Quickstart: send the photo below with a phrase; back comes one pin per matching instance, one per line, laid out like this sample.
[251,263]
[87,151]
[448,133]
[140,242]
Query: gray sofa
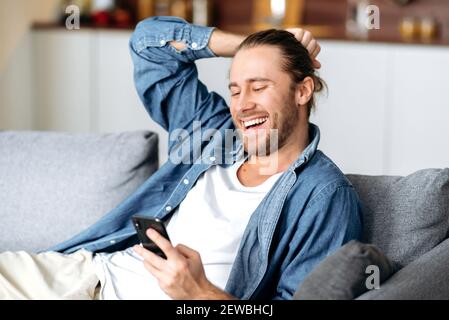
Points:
[405,235]
[407,219]
[53,185]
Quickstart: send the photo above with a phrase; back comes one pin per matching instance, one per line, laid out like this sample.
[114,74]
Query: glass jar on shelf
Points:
[409,28]
[428,28]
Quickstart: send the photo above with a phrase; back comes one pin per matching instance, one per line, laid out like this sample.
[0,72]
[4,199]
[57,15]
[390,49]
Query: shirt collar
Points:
[309,151]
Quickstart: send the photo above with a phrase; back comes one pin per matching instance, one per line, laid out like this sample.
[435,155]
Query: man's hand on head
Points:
[181,276]
[309,42]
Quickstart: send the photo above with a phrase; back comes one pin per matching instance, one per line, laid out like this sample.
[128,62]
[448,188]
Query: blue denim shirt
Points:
[311,211]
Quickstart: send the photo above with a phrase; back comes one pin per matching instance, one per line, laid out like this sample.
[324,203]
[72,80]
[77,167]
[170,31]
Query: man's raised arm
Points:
[164,50]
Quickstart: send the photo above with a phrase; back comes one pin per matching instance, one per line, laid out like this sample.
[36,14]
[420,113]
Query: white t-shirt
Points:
[210,220]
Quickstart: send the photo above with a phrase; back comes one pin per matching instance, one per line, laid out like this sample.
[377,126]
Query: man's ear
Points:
[304,91]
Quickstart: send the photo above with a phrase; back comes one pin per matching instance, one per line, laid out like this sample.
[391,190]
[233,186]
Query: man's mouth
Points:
[254,124]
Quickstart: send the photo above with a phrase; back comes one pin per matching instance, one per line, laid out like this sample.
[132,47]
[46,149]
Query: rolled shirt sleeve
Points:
[166,79]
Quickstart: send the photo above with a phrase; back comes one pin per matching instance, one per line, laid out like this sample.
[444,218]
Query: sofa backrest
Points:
[54,185]
[405,216]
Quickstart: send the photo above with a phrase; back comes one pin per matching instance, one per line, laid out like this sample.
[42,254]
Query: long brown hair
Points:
[296,59]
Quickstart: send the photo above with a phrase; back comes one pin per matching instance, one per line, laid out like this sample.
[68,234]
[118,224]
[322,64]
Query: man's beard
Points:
[277,136]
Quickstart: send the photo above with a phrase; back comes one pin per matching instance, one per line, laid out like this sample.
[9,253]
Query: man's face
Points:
[262,99]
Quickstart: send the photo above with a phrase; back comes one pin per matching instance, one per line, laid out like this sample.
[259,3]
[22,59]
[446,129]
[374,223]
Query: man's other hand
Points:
[309,42]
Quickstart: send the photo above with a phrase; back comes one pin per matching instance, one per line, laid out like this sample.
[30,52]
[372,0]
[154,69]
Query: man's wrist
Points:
[224,44]
[211,292]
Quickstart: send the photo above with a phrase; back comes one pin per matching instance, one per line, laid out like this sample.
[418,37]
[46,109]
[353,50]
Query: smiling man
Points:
[242,232]
[237,230]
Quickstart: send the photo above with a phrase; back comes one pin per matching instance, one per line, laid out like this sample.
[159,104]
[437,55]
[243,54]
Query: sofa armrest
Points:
[426,278]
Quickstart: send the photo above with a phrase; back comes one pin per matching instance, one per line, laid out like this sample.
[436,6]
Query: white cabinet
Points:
[63,80]
[17,89]
[351,114]
[418,122]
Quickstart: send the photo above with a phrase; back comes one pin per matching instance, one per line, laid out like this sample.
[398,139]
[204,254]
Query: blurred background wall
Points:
[16,19]
[16,71]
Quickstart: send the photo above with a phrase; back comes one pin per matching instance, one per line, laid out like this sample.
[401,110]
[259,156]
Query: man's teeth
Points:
[254,122]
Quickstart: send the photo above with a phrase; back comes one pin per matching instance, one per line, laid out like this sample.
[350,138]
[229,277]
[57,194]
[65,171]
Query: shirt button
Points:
[163,42]
[212,159]
[186,181]
[167,208]
[194,45]
[112,242]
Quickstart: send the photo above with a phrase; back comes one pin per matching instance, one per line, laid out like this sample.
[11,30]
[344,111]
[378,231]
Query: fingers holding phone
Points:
[142,225]
[179,270]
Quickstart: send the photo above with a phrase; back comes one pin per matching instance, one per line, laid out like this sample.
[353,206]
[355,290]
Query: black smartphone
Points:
[142,224]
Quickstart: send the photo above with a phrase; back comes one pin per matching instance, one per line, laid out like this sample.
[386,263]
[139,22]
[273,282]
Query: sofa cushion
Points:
[405,216]
[426,278]
[343,275]
[54,185]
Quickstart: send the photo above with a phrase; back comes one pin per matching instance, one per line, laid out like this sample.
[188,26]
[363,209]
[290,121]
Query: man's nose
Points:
[245,103]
